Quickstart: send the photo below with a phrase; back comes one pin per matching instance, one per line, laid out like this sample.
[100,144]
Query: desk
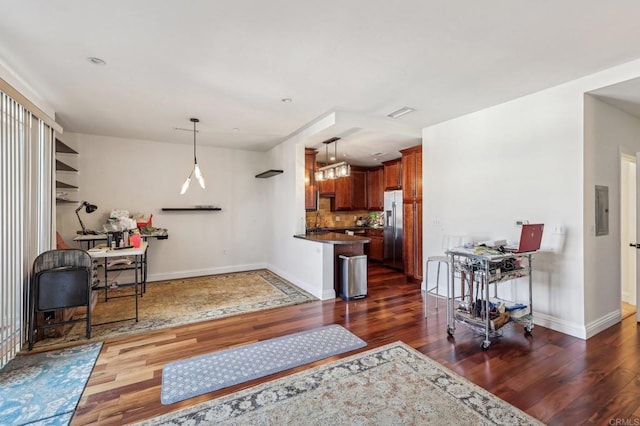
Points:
[138,254]
[92,239]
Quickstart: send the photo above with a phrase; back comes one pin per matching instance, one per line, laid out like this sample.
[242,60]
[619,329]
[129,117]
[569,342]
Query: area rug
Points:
[184,301]
[45,388]
[206,373]
[392,384]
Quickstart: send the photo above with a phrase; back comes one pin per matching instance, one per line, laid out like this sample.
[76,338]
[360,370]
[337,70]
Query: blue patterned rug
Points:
[195,376]
[45,388]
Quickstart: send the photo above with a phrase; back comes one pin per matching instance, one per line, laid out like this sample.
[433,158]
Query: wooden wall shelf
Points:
[192,209]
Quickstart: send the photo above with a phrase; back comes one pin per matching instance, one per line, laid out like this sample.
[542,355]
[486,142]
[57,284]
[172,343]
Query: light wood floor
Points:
[556,378]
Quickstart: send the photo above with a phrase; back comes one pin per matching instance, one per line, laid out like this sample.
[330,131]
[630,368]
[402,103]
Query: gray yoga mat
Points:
[205,373]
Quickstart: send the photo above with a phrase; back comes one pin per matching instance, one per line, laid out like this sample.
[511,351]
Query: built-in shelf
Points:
[65,201]
[64,148]
[65,185]
[60,166]
[268,173]
[184,209]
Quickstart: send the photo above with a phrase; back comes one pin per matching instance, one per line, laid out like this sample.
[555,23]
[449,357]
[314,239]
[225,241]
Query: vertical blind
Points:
[26,214]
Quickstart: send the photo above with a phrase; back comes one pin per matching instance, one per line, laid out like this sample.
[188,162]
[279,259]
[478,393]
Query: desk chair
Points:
[448,242]
[61,279]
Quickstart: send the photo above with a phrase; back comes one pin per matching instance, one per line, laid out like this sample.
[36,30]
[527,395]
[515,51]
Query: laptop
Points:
[530,239]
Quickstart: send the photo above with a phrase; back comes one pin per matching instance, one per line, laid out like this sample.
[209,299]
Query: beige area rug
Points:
[389,385]
[184,301]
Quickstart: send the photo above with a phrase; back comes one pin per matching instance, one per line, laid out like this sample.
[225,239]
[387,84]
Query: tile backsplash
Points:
[325,218]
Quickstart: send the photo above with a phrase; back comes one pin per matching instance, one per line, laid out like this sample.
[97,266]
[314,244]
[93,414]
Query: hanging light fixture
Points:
[335,170]
[196,168]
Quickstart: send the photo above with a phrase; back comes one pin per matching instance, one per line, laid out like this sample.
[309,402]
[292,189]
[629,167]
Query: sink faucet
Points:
[317,225]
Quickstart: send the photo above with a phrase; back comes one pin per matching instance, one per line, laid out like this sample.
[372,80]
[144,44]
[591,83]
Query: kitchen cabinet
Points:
[392,174]
[310,187]
[412,173]
[412,240]
[375,249]
[358,189]
[375,191]
[412,211]
[351,191]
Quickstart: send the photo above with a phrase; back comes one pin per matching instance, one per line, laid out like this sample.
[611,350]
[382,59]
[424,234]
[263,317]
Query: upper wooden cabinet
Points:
[392,174]
[359,189]
[310,188]
[351,192]
[412,173]
[375,189]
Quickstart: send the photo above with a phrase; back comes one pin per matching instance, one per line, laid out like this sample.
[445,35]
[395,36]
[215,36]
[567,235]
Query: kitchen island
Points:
[333,245]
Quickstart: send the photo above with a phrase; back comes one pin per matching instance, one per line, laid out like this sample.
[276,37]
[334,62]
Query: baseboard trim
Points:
[326,295]
[602,323]
[208,271]
[562,326]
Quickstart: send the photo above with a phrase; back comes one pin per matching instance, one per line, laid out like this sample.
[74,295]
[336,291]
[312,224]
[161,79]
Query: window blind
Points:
[26,213]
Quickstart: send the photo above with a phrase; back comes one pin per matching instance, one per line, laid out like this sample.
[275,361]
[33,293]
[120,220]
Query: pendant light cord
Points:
[194,120]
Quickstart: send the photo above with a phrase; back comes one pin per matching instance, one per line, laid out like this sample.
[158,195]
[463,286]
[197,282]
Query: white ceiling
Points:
[229,63]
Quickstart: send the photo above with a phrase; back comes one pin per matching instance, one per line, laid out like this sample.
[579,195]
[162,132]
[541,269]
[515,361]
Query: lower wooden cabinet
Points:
[375,248]
[412,239]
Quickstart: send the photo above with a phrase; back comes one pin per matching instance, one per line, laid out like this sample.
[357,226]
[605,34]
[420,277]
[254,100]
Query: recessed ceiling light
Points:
[399,113]
[235,129]
[96,61]
[287,100]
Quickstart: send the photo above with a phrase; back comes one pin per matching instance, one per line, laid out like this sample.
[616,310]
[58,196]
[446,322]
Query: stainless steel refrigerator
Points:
[393,229]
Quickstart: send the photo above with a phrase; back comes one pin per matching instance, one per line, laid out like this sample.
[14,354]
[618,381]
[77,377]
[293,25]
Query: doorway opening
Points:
[628,234]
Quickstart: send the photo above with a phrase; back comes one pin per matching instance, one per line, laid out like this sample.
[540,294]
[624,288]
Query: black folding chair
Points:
[61,279]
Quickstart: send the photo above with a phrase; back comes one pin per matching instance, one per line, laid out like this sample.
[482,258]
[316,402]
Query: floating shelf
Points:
[268,173]
[186,209]
[65,185]
[62,147]
[60,166]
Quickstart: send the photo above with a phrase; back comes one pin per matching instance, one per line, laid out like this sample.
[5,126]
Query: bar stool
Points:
[448,242]
[440,260]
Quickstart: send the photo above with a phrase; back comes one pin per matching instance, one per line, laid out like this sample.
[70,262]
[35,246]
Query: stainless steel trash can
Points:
[353,276]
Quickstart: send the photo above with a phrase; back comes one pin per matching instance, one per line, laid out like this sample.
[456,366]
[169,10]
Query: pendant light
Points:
[321,174]
[335,170]
[196,168]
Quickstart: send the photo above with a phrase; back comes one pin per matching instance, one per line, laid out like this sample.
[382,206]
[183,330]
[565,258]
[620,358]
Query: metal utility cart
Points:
[479,269]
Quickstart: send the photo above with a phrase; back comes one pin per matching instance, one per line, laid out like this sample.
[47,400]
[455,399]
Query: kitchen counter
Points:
[334,238]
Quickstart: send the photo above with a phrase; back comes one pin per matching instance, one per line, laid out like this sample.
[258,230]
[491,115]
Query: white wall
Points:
[305,263]
[609,132]
[144,176]
[526,160]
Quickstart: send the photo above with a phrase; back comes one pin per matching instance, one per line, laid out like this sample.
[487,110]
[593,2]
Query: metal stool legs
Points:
[440,260]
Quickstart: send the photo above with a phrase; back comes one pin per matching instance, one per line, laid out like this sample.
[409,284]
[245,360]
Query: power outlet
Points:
[337,218]
[435,222]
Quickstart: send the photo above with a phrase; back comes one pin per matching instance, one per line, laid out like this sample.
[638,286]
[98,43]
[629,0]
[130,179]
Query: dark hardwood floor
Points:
[558,379]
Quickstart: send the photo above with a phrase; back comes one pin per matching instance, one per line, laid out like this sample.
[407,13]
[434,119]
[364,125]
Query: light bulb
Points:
[196,171]
[331,173]
[185,185]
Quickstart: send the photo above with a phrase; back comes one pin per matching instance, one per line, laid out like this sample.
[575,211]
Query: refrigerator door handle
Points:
[395,228]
